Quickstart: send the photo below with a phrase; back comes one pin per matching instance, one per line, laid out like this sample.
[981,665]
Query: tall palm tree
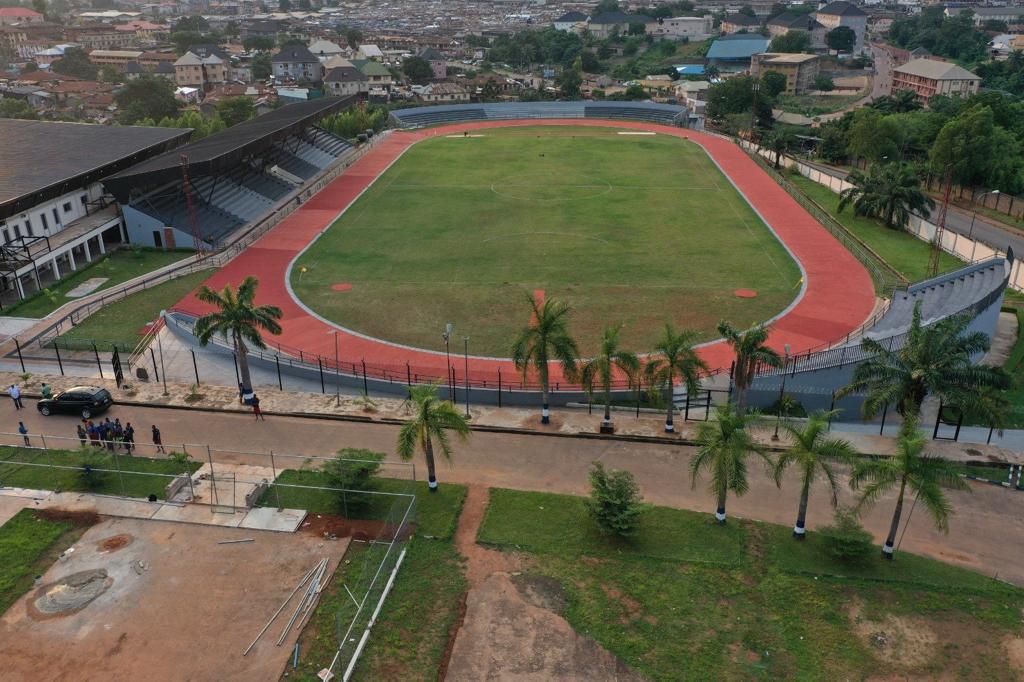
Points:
[725,443]
[887,191]
[899,102]
[675,358]
[239,319]
[926,476]
[751,352]
[546,338]
[433,419]
[813,453]
[600,371]
[779,141]
[935,359]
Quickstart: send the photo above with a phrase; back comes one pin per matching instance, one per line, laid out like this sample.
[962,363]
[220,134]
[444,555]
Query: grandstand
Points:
[666,114]
[235,177]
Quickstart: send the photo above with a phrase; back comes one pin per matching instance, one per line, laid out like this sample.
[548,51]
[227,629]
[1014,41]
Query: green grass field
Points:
[631,229]
[116,267]
[29,543]
[121,323]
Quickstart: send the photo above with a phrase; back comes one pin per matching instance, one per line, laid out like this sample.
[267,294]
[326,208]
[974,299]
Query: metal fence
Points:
[232,482]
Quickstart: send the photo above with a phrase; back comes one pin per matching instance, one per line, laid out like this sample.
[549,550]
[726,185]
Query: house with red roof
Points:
[19,15]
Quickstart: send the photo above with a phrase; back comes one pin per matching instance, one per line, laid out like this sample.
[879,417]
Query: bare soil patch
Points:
[1015,653]
[115,542]
[899,640]
[331,526]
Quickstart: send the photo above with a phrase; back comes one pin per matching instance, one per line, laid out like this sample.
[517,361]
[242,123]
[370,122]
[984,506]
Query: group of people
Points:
[107,434]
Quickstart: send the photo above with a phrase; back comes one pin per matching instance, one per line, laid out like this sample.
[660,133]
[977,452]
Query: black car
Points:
[87,401]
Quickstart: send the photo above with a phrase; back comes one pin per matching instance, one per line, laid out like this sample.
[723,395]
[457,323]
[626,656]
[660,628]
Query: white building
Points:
[678,28]
[840,13]
[55,216]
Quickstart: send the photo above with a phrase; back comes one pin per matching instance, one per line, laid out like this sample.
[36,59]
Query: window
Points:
[7,236]
[17,232]
[67,207]
[56,217]
[85,200]
[42,217]
[158,241]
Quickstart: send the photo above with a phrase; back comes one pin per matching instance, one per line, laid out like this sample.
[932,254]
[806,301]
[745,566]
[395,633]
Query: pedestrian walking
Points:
[47,391]
[23,430]
[15,393]
[94,435]
[129,437]
[255,402]
[82,435]
[157,441]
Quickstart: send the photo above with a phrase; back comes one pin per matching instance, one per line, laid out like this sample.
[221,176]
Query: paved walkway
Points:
[837,297]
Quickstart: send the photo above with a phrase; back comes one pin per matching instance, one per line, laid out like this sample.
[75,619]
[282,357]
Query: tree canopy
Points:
[417,69]
[146,97]
[791,41]
[75,62]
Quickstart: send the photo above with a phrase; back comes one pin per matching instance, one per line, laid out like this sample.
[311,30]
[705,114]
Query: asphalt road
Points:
[987,532]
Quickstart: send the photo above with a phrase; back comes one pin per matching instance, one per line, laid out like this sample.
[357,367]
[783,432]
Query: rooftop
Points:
[742,20]
[620,18]
[787,58]
[344,74]
[738,46]
[570,17]
[930,68]
[842,9]
[44,159]
[295,53]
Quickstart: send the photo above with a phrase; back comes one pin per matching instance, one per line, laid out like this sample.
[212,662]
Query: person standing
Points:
[157,441]
[47,391]
[82,435]
[129,437]
[15,393]
[23,430]
[255,402]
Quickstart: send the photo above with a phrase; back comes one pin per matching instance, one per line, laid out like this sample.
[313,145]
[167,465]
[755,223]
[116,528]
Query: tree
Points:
[259,43]
[751,352]
[184,39]
[600,371]
[966,148]
[747,11]
[284,6]
[238,318]
[779,141]
[234,110]
[109,74]
[890,192]
[193,22]
[546,339]
[433,419]
[791,41]
[30,67]
[841,39]
[75,62]
[736,96]
[872,136]
[935,360]
[417,69]
[824,83]
[615,501]
[16,108]
[813,453]
[261,66]
[39,6]
[569,82]
[773,83]
[724,444]
[675,357]
[146,97]
[899,102]
[846,540]
[926,476]
[353,470]
[353,36]
[833,144]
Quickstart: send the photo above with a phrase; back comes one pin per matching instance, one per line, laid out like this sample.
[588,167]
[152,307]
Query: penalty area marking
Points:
[631,132]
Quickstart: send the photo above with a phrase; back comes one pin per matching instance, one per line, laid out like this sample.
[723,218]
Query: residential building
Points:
[787,21]
[151,60]
[116,58]
[930,77]
[145,31]
[841,13]
[325,50]
[693,95]
[201,72]
[346,80]
[99,37]
[799,69]
[732,53]
[571,21]
[683,28]
[443,92]
[298,63]
[438,64]
[734,23]
[378,75]
[1013,16]
[607,24]
[19,15]
[369,51]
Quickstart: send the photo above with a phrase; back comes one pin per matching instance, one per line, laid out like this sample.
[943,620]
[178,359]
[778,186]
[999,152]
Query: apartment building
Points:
[930,77]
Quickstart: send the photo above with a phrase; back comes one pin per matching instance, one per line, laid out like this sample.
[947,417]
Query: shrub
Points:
[343,472]
[846,539]
[615,501]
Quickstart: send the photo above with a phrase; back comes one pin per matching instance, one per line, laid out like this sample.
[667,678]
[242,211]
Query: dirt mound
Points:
[71,593]
[327,525]
[907,642]
[79,519]
[115,542]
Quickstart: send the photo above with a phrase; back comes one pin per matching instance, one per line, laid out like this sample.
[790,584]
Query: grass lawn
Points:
[29,543]
[815,105]
[121,323]
[409,639]
[632,229]
[116,267]
[902,250]
[135,480]
[775,611]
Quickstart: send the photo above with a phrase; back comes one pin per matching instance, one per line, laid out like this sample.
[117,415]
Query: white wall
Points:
[49,218]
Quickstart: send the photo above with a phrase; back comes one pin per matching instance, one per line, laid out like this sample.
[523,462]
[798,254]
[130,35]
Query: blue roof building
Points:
[690,69]
[733,52]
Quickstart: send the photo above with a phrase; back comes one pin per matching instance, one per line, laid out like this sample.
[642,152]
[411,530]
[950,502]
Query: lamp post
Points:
[782,395]
[160,345]
[465,341]
[447,335]
[974,214]
[337,372]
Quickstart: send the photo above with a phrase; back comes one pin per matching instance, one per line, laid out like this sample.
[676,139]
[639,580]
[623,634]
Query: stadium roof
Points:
[223,150]
[737,46]
[41,160]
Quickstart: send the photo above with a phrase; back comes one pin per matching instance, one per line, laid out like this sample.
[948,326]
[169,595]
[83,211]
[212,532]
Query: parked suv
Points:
[87,401]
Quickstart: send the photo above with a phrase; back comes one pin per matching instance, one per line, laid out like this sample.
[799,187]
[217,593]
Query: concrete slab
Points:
[199,514]
[10,505]
[268,518]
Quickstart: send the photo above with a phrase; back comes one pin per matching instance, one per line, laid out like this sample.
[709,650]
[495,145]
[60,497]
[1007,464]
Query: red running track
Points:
[838,294]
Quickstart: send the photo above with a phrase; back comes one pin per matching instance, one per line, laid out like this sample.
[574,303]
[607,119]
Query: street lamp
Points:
[447,335]
[465,341]
[337,372]
[782,395]
[974,215]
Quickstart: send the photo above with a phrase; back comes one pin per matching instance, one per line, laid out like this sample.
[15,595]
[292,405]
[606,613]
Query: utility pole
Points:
[940,227]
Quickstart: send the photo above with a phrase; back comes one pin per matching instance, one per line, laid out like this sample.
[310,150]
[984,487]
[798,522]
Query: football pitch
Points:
[628,228]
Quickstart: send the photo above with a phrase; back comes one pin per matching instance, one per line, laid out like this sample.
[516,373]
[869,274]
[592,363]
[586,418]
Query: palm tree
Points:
[601,370]
[933,360]
[779,141]
[910,467]
[675,357]
[725,443]
[546,338]
[239,319]
[433,419]
[887,191]
[751,352]
[900,102]
[813,453]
